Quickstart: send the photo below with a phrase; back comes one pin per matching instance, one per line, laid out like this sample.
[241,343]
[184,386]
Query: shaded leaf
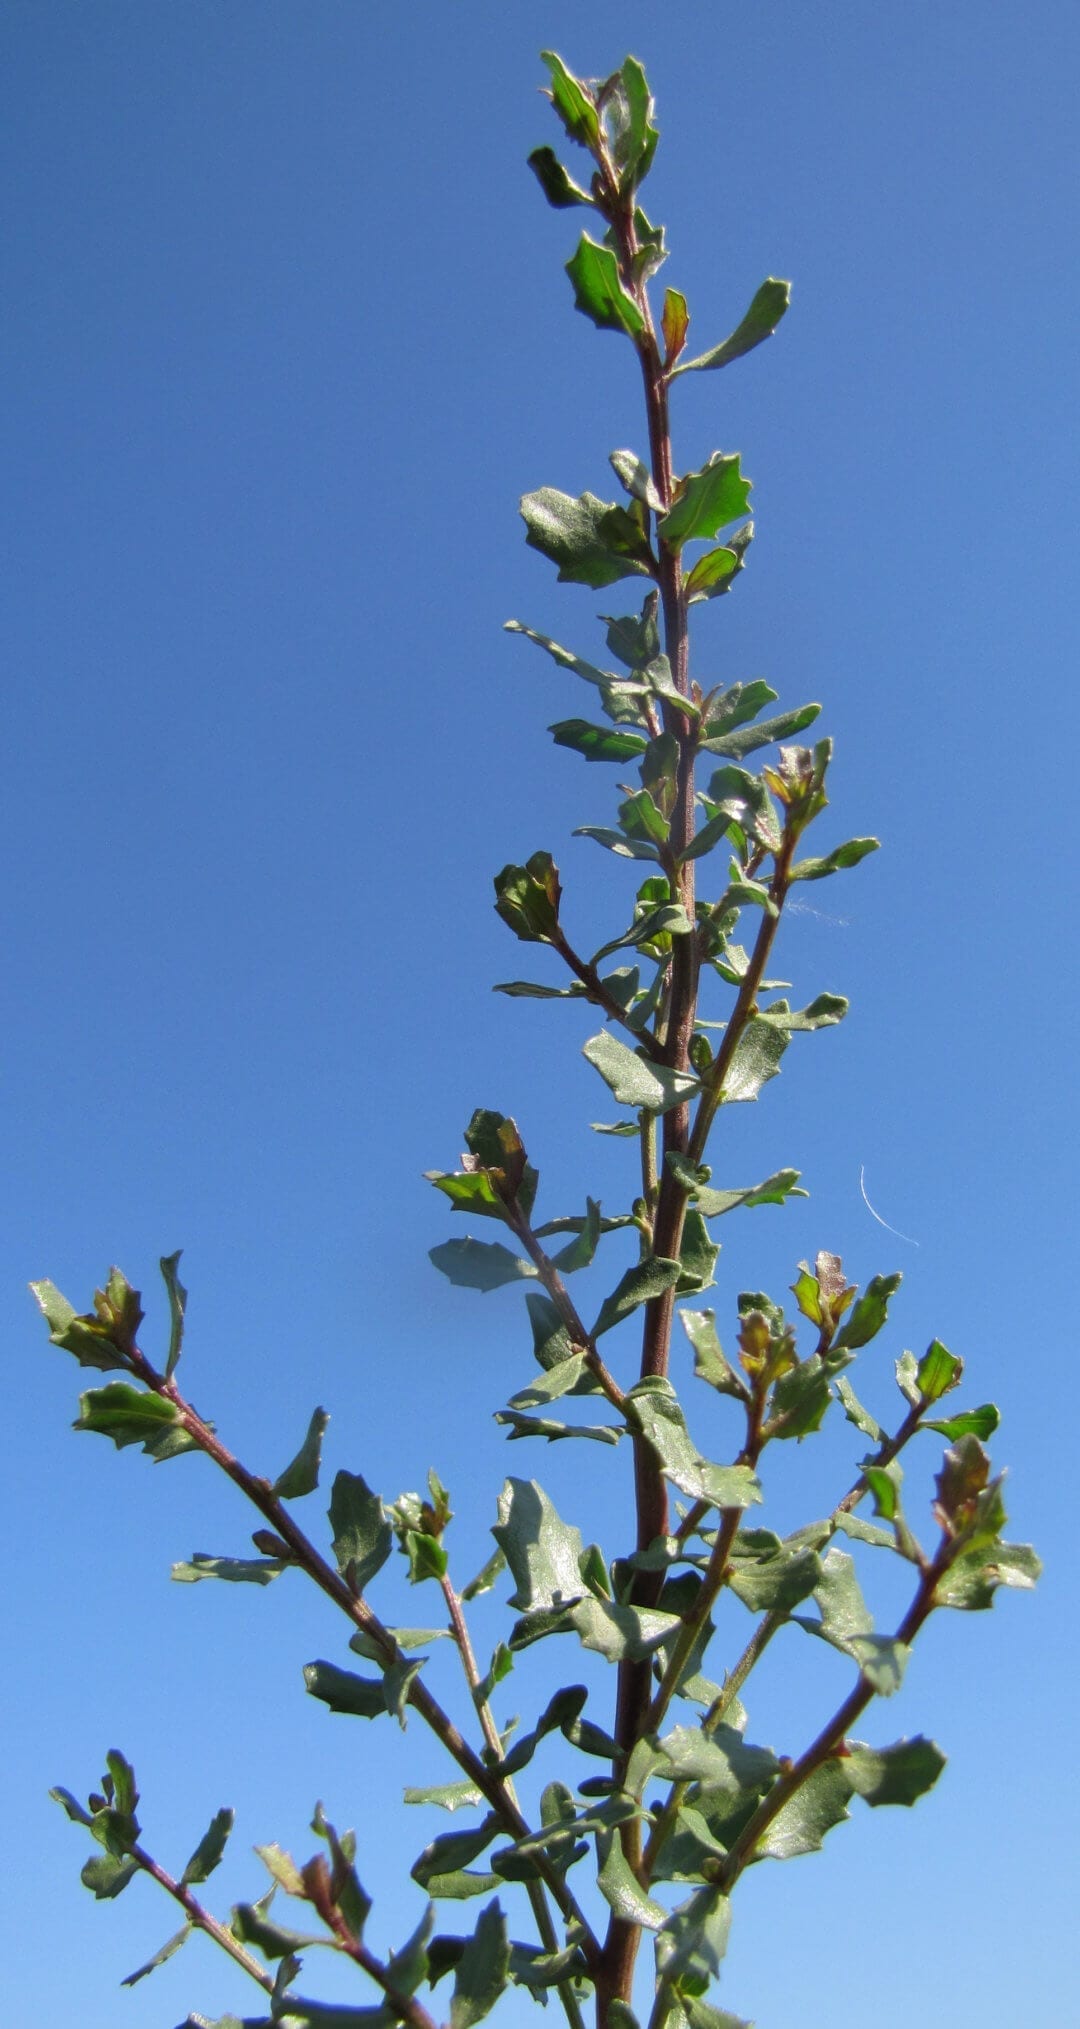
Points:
[746,740]
[483,1970]
[710,1363]
[639,1285]
[593,542]
[768,1575]
[621,1633]
[167,1951]
[800,1826]
[452,1851]
[674,324]
[900,1774]
[107,1875]
[541,1549]
[556,183]
[869,1314]
[596,743]
[656,1410]
[344,1691]
[842,856]
[130,1415]
[363,1538]
[301,1475]
[620,1887]
[480,1264]
[209,1850]
[178,1297]
[693,1940]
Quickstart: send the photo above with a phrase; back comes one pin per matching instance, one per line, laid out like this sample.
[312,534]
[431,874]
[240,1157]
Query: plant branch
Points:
[564,1304]
[597,991]
[201,1918]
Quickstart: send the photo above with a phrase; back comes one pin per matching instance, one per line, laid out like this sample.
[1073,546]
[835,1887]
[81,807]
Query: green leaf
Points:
[134,1416]
[693,1940]
[639,1285]
[800,1399]
[939,1371]
[628,111]
[527,899]
[710,1363]
[756,1059]
[775,1190]
[620,1887]
[541,1549]
[702,2015]
[522,1425]
[722,1761]
[83,1336]
[485,1578]
[633,639]
[848,855]
[480,1264]
[855,1412]
[483,1971]
[452,1851]
[107,1875]
[596,743]
[769,305]
[632,472]
[981,1423]
[973,1578]
[209,1850]
[449,1796]
[556,183]
[565,657]
[570,97]
[559,1380]
[698,1255]
[737,744]
[800,1826]
[344,1691]
[823,1013]
[427,1558]
[869,1314]
[617,842]
[900,1774]
[712,574]
[171,1946]
[579,1252]
[363,1538]
[233,1570]
[655,1409]
[621,1633]
[674,324]
[593,542]
[177,1296]
[301,1475]
[769,1576]
[647,1087]
[706,502]
[598,291]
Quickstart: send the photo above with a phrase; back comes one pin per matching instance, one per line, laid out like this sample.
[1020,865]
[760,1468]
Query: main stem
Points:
[675,1035]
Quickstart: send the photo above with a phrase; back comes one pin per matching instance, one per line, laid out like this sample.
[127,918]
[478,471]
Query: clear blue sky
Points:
[287,335]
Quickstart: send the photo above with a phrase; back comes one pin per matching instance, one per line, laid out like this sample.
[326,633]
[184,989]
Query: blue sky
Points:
[288,334]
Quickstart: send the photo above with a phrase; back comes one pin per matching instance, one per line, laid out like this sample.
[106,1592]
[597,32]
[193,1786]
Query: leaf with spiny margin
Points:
[775,1190]
[693,1940]
[301,1475]
[344,1691]
[480,1264]
[483,1971]
[707,501]
[973,1578]
[847,855]
[823,1013]
[593,542]
[598,290]
[800,1400]
[570,97]
[556,182]
[769,305]
[710,1363]
[801,1824]
[178,1297]
[363,1538]
[870,1313]
[768,1575]
[745,740]
[621,1633]
[866,1532]
[756,1059]
[655,1409]
[899,1774]
[647,1087]
[639,1285]
[620,1887]
[130,1415]
[597,743]
[541,1549]
[209,1850]
[939,1371]
[171,1946]
[82,1336]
